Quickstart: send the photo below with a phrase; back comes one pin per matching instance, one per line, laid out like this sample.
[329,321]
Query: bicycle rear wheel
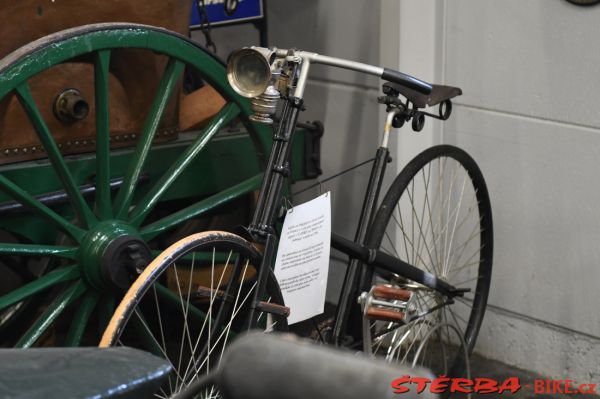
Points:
[190,303]
[437,217]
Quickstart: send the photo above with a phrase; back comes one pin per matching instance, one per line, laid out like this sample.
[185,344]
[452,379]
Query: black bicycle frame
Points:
[262,227]
[269,204]
[362,257]
[351,278]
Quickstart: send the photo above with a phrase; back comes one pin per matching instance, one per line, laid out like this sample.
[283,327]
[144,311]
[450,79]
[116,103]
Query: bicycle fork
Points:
[269,205]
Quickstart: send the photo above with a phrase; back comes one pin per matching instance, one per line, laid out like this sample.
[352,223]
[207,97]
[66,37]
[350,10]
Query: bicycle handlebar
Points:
[259,366]
[403,79]
[387,74]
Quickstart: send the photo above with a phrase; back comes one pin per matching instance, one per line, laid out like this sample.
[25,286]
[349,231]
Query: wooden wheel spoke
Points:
[101,75]
[71,200]
[37,286]
[152,230]
[175,301]
[226,115]
[171,75]
[80,320]
[38,250]
[106,308]
[19,195]
[51,313]
[84,213]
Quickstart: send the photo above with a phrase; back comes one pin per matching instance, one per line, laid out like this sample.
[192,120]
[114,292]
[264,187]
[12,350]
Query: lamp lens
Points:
[251,74]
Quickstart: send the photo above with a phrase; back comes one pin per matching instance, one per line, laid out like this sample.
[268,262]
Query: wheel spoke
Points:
[447,323]
[416,256]
[418,220]
[189,294]
[101,76]
[209,317]
[152,342]
[430,213]
[192,319]
[80,320]
[421,218]
[226,329]
[168,82]
[38,285]
[168,295]
[146,204]
[37,250]
[456,317]
[111,189]
[460,249]
[462,283]
[185,333]
[30,202]
[82,209]
[415,338]
[159,318]
[440,216]
[152,230]
[54,310]
[448,219]
[106,308]
[400,225]
[445,264]
[237,297]
[466,265]
[442,233]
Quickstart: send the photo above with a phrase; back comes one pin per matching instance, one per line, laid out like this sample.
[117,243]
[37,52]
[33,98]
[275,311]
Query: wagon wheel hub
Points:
[124,259]
[92,243]
[112,255]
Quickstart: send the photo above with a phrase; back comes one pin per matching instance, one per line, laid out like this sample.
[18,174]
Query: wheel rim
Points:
[205,320]
[441,223]
[93,227]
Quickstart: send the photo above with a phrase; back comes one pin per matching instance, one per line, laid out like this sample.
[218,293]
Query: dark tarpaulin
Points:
[48,373]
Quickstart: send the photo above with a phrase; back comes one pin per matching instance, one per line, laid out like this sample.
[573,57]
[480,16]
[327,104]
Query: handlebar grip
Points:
[403,79]
[259,366]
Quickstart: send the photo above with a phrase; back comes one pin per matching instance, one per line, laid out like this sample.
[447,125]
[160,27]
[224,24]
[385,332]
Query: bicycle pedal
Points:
[273,308]
[205,292]
[391,293]
[377,313]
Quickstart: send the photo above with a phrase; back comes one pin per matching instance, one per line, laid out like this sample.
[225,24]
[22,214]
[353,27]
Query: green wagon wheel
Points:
[106,239]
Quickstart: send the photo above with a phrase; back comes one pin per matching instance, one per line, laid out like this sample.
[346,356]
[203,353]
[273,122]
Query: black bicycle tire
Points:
[209,239]
[385,210]
[178,250]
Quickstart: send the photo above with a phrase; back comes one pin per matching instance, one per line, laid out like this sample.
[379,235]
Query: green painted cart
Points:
[75,229]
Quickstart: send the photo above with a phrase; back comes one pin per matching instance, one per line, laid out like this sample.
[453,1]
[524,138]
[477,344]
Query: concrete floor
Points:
[482,367]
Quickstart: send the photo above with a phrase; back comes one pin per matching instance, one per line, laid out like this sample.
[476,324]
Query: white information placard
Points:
[302,262]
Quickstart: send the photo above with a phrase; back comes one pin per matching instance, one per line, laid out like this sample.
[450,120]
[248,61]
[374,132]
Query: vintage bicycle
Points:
[417,283]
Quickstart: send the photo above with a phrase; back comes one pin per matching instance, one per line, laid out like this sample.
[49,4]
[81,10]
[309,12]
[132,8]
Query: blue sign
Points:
[225,12]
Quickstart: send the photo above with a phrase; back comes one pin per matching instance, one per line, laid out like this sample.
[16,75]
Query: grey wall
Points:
[344,101]
[530,117]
